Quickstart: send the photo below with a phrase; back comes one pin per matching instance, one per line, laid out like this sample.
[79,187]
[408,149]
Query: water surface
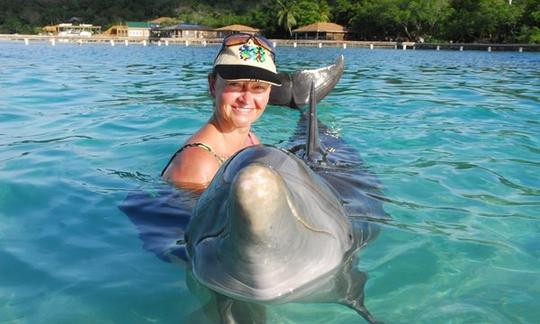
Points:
[453,136]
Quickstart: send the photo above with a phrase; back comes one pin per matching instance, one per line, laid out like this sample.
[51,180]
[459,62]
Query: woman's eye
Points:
[260,88]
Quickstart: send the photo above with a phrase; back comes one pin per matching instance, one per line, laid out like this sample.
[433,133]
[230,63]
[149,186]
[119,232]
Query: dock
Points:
[125,41]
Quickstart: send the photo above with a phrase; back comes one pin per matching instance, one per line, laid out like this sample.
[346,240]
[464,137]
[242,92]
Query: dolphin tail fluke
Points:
[294,90]
[283,95]
[314,149]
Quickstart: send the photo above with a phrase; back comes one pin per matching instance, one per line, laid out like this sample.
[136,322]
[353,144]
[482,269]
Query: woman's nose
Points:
[246,95]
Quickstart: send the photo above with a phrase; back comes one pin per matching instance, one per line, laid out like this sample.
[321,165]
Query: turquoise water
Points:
[453,136]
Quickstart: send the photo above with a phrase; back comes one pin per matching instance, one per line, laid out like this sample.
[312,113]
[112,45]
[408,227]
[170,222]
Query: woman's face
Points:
[238,103]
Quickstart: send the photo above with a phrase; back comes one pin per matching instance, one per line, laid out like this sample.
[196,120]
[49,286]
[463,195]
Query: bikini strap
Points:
[206,147]
[201,145]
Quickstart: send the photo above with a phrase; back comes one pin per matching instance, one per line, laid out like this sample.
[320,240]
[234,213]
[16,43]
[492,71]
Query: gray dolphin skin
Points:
[276,226]
[295,87]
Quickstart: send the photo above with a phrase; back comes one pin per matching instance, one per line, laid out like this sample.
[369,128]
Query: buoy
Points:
[461,48]
[344,45]
[166,43]
[112,42]
[26,42]
[144,42]
[489,48]
[126,42]
[521,49]
[159,43]
[53,41]
[438,48]
[320,45]
[370,46]
[204,43]
[294,44]
[187,43]
[404,47]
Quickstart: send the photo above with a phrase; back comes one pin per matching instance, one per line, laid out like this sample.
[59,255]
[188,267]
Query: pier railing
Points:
[119,40]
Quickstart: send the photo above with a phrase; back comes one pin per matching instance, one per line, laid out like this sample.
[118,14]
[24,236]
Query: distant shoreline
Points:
[114,40]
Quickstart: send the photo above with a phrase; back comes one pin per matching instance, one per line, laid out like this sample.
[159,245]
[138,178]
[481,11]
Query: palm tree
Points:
[286,15]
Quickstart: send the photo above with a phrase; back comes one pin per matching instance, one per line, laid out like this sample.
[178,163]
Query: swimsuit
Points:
[207,147]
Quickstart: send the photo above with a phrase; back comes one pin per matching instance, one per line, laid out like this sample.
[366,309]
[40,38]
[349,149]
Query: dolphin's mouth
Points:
[303,222]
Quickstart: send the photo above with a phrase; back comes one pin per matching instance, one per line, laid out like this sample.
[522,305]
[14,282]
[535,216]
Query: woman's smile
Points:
[243,110]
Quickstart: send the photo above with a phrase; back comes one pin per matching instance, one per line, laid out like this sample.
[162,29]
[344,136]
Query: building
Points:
[321,31]
[71,30]
[138,29]
[233,29]
[117,30]
[188,31]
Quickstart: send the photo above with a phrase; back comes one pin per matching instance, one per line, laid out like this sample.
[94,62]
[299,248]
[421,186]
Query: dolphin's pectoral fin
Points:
[362,310]
[354,282]
[161,219]
[235,311]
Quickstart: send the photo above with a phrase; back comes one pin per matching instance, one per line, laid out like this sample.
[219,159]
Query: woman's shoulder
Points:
[193,164]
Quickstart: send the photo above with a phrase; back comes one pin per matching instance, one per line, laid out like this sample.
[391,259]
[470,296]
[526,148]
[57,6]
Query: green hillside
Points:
[501,21]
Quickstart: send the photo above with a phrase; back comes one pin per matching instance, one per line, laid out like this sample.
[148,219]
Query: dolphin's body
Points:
[278,226]
[274,226]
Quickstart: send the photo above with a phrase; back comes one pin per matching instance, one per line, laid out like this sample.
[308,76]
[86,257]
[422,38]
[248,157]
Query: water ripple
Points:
[453,136]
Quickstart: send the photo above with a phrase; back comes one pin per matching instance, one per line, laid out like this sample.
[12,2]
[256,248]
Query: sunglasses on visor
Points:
[242,38]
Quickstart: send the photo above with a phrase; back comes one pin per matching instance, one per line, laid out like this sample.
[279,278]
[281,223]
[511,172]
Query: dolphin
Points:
[276,225]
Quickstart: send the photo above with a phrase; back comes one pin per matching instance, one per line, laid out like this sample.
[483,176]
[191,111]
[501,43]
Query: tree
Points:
[484,21]
[287,13]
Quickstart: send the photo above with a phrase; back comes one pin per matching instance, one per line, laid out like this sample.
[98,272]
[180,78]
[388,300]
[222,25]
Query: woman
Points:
[243,73]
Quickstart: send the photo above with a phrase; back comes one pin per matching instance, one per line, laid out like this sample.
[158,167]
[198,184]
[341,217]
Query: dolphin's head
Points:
[266,226]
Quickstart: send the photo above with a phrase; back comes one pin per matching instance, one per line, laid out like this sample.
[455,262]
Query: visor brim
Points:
[247,73]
